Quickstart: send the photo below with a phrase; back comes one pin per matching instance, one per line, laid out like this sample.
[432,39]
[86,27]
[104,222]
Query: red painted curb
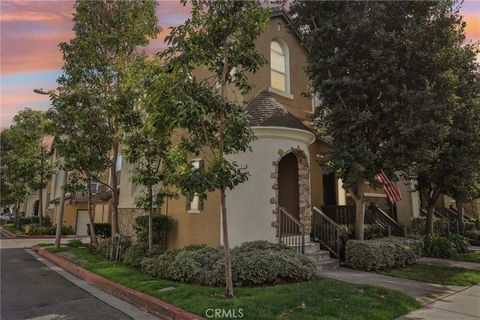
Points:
[139,299]
[8,233]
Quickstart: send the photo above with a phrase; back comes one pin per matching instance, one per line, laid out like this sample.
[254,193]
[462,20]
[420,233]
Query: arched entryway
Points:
[292,185]
[288,196]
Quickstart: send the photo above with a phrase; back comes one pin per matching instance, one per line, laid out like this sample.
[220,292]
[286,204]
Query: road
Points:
[32,290]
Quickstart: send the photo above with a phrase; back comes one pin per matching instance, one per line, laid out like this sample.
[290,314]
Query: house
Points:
[282,166]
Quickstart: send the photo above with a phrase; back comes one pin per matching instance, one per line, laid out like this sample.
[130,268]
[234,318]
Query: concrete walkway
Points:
[463,305]
[449,263]
[423,292]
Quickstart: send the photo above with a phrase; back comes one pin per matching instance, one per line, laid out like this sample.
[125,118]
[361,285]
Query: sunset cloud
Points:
[32,29]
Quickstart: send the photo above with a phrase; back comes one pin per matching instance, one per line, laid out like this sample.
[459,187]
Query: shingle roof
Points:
[266,111]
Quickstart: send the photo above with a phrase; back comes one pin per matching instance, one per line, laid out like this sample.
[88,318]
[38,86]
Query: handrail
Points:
[388,222]
[326,231]
[289,229]
[388,217]
[291,217]
[325,216]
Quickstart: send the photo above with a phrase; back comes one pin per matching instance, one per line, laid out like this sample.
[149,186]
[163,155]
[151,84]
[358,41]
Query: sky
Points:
[30,31]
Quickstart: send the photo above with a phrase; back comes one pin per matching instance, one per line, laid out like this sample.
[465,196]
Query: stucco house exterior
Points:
[282,164]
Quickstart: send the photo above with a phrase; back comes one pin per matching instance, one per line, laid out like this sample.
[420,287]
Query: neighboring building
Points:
[282,165]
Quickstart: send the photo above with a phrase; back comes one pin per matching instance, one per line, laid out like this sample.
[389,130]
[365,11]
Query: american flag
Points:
[389,187]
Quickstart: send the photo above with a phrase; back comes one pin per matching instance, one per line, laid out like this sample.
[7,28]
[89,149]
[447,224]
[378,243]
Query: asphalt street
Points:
[31,290]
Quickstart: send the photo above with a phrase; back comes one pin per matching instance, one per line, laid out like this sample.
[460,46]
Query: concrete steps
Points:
[322,258]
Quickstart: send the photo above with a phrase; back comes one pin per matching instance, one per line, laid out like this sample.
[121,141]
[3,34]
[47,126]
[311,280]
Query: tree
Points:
[356,66]
[441,130]
[98,60]
[219,37]
[27,135]
[78,143]
[147,145]
[13,173]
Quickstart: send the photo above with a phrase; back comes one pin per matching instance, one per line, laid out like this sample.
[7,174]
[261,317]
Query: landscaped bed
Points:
[437,274]
[316,299]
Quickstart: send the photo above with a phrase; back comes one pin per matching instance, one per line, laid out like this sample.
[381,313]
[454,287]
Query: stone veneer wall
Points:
[126,220]
[305,211]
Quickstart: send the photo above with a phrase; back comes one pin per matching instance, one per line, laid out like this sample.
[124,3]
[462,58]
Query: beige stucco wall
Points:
[250,211]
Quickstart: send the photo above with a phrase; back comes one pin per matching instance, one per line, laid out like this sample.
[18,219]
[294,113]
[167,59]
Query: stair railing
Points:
[326,232]
[385,221]
[291,231]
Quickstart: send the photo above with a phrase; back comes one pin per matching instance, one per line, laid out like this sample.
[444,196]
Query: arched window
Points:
[278,67]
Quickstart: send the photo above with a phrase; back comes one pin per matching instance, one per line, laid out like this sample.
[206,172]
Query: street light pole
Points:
[63,179]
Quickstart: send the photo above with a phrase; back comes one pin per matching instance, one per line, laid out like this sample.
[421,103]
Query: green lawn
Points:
[473,256]
[437,274]
[12,228]
[320,299]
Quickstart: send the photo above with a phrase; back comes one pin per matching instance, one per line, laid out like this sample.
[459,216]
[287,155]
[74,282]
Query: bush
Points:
[461,243]
[102,230]
[438,247]
[104,247]
[382,254]
[473,236]
[75,243]
[253,263]
[35,229]
[161,224]
[440,226]
[374,231]
[134,254]
[34,220]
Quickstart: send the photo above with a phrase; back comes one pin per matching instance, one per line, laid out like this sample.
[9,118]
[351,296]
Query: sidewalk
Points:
[449,263]
[463,305]
[423,292]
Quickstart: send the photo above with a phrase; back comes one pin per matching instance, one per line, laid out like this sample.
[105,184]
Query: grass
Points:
[437,274]
[319,299]
[473,256]
[12,229]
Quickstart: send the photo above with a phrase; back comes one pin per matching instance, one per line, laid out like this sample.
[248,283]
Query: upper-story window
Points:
[279,67]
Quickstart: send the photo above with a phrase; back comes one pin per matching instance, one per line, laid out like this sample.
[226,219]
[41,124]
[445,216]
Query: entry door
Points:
[82,221]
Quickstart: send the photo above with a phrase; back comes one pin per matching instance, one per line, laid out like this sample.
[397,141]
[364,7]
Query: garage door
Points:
[82,221]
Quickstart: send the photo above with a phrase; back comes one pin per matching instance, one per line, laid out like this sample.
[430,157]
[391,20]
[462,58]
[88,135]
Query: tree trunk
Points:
[150,218]
[226,247]
[17,215]
[113,172]
[39,211]
[358,198]
[58,233]
[91,217]
[40,197]
[432,199]
[460,214]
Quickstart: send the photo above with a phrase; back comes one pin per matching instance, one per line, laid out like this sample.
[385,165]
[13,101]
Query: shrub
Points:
[34,220]
[102,230]
[134,254]
[473,236]
[253,263]
[382,254]
[461,243]
[439,247]
[105,245]
[75,243]
[440,226]
[374,231]
[161,224]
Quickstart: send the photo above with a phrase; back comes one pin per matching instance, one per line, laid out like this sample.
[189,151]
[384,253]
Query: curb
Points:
[8,233]
[139,299]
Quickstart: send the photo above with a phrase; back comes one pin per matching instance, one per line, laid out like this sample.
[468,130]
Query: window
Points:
[196,205]
[278,67]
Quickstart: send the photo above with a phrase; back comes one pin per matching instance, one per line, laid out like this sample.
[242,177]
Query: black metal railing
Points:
[291,231]
[452,225]
[340,214]
[326,232]
[376,215]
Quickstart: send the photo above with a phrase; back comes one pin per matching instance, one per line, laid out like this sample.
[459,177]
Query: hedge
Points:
[161,224]
[35,229]
[253,263]
[134,254]
[382,254]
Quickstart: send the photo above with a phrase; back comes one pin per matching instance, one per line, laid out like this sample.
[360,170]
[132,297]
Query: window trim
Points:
[199,209]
